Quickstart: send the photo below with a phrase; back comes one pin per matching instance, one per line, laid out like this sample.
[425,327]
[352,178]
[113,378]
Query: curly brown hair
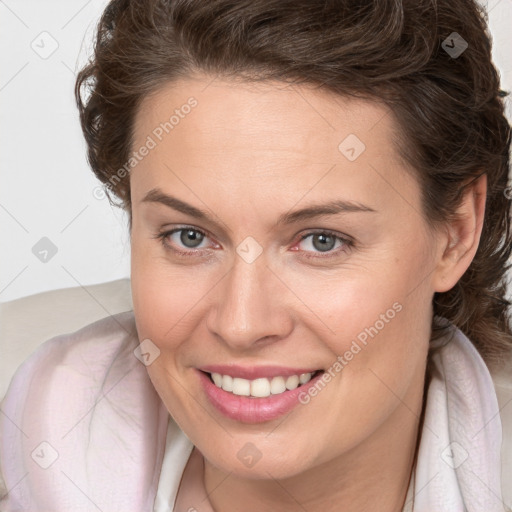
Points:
[449,108]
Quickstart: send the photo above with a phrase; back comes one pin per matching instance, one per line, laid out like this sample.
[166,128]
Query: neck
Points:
[374,475]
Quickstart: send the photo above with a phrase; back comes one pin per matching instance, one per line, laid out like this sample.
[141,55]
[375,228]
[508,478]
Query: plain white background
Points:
[47,191]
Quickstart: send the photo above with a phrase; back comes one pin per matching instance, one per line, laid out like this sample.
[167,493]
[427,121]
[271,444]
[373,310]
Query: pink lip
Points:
[255,372]
[253,410]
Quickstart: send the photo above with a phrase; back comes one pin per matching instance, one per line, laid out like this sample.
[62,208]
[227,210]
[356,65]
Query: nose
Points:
[251,307]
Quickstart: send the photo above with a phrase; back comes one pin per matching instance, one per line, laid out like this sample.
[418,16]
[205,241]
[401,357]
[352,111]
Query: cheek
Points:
[355,306]
[162,294]
[377,317]
[163,314]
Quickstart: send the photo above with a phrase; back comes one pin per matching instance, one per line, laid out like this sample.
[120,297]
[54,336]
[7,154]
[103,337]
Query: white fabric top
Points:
[82,428]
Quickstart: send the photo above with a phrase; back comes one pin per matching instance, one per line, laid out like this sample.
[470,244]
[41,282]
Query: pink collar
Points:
[82,425]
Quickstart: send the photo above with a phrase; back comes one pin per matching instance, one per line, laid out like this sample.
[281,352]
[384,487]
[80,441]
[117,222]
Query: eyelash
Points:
[347,243]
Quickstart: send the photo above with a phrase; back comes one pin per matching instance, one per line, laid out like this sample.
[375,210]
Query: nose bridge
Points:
[248,307]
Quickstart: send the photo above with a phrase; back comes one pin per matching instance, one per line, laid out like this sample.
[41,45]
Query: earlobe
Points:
[460,241]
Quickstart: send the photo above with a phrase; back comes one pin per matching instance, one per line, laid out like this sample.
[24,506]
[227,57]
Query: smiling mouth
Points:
[261,387]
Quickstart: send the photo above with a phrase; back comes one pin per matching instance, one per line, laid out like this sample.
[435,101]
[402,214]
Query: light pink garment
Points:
[82,429]
[89,400]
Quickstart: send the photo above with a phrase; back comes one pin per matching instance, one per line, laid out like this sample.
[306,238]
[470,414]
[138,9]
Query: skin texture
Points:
[247,154]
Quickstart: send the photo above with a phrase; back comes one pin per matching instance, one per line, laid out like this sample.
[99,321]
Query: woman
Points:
[319,222]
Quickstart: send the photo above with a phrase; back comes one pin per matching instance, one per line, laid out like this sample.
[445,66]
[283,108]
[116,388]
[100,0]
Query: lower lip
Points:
[253,410]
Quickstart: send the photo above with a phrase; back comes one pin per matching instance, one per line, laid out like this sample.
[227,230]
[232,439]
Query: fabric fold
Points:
[459,461]
[82,427]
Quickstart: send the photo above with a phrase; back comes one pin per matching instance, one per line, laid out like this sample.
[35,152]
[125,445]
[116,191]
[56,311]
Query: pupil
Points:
[190,235]
[323,246]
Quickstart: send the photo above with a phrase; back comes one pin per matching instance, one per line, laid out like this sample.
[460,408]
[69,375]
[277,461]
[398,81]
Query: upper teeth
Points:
[259,387]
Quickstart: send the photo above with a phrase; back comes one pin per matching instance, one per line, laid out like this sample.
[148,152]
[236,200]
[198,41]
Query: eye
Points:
[323,242]
[183,238]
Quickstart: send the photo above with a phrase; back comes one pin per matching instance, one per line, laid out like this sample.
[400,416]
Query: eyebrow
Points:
[316,210]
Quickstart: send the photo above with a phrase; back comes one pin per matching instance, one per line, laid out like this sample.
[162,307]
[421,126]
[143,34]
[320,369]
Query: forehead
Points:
[262,114]
[267,136]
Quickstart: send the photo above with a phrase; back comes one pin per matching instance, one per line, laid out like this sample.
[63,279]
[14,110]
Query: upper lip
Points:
[255,372]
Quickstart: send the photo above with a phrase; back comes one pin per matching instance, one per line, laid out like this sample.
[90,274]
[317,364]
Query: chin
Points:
[247,458]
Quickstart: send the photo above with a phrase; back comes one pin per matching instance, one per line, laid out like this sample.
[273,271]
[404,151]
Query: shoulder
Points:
[502,380]
[108,335]
[85,357]
[481,401]
[83,404]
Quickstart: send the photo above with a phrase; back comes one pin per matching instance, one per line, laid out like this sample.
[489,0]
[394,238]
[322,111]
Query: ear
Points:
[459,243]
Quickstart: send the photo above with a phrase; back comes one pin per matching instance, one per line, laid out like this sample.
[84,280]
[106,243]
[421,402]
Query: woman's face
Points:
[254,290]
